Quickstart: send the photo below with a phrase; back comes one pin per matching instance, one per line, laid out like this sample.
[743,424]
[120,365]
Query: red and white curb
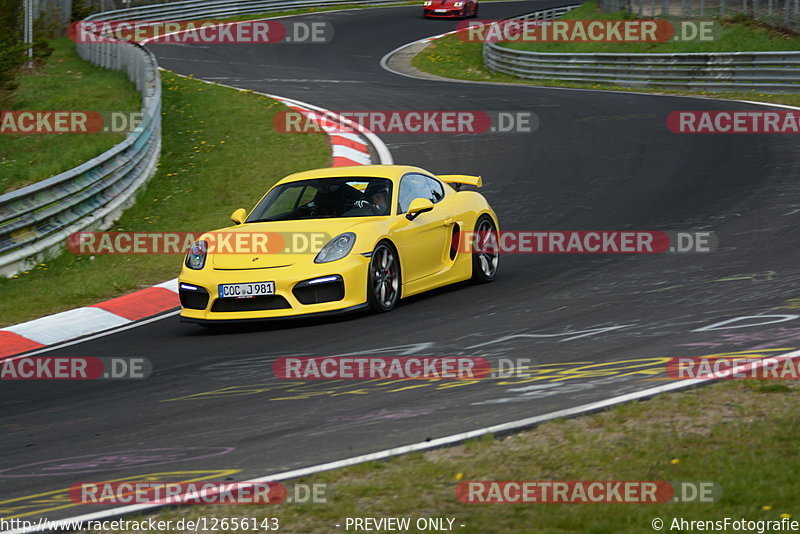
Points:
[347,147]
[434,37]
[80,322]
[350,145]
[349,140]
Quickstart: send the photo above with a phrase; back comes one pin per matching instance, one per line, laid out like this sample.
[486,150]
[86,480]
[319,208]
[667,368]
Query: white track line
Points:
[104,333]
[385,65]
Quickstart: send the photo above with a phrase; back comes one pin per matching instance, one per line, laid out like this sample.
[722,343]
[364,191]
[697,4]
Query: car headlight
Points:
[428,3]
[196,258]
[337,248]
[458,4]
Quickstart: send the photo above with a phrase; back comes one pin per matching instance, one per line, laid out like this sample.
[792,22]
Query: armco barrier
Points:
[36,220]
[195,9]
[770,72]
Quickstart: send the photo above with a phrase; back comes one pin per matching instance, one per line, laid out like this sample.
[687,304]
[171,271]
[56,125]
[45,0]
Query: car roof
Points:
[391,172]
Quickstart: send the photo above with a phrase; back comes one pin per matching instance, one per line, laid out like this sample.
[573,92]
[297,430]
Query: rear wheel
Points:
[383,280]
[486,259]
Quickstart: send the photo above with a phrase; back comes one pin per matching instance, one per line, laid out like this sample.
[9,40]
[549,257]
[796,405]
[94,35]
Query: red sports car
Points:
[450,8]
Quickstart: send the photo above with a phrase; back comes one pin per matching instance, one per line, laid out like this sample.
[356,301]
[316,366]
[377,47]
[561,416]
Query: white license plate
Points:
[440,10]
[254,289]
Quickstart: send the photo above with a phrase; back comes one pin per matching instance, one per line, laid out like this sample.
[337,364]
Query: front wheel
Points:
[486,258]
[383,280]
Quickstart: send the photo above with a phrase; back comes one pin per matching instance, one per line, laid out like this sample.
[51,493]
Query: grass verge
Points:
[64,83]
[451,57]
[738,434]
[220,152]
[733,34]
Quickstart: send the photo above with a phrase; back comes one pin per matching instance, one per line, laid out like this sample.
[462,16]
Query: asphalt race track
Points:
[593,326]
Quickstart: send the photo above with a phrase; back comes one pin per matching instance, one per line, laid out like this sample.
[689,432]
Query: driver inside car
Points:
[376,198]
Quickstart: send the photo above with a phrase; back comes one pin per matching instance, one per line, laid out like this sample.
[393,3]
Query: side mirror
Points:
[238,216]
[418,206]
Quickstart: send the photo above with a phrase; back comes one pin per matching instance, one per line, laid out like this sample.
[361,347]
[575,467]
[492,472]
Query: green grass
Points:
[64,83]
[451,57]
[732,434]
[735,34]
[220,152]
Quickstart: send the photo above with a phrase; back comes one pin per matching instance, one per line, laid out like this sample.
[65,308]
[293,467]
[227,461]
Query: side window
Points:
[413,186]
[436,189]
[285,202]
[307,195]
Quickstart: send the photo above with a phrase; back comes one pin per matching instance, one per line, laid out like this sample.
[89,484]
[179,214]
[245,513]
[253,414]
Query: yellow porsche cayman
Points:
[336,240]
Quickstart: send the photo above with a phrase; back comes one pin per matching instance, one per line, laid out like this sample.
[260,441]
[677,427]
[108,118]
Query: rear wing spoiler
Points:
[458,180]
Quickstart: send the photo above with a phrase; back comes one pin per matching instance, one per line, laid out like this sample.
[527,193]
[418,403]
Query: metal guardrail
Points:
[779,13]
[770,72]
[196,9]
[36,220]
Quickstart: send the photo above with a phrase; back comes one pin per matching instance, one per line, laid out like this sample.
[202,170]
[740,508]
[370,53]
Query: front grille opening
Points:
[194,300]
[309,293]
[264,302]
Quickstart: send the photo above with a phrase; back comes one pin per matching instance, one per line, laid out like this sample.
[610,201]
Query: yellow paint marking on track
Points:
[59,499]
[645,368]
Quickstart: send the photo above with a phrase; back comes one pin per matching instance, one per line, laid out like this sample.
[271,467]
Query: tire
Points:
[383,278]
[484,264]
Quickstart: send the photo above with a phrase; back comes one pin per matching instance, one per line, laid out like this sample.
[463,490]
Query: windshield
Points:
[325,198]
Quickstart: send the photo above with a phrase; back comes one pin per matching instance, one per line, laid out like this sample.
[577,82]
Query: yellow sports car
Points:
[337,240]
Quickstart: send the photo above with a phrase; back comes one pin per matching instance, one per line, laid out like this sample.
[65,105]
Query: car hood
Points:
[277,243]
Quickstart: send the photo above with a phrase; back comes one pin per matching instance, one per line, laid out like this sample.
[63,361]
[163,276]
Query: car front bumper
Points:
[293,296]
[448,14]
